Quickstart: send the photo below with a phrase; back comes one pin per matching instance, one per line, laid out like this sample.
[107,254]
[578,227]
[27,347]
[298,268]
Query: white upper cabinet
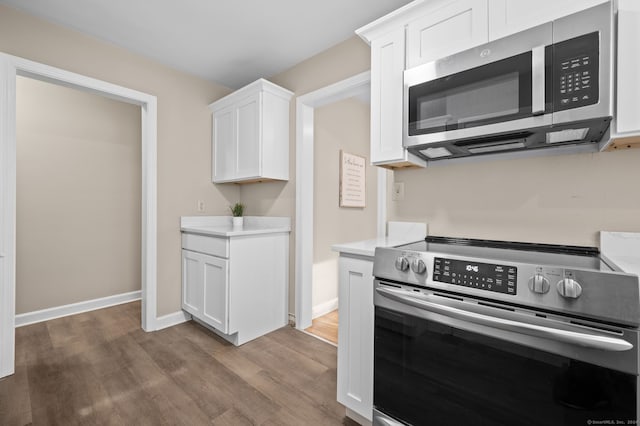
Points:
[224,153]
[510,16]
[418,32]
[627,120]
[453,27]
[249,137]
[251,134]
[387,67]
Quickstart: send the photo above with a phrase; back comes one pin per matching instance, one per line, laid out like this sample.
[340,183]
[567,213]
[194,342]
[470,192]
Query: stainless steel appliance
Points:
[549,86]
[498,333]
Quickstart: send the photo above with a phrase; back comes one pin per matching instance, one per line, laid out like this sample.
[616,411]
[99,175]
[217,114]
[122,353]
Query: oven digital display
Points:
[483,276]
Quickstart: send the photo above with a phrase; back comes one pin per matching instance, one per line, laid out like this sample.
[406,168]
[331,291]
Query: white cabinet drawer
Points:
[205,244]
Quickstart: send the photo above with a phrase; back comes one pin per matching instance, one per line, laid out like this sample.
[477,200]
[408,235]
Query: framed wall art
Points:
[352,180]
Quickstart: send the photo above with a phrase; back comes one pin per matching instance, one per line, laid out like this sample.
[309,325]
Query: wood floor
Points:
[101,368]
[326,327]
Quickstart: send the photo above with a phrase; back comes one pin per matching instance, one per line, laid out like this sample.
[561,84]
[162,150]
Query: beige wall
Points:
[184,126]
[78,196]
[339,126]
[342,61]
[564,199]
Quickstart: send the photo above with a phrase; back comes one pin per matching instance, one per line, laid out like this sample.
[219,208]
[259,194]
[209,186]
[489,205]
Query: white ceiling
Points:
[231,42]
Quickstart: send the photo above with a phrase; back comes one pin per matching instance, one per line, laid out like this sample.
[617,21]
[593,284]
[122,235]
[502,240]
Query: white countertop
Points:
[221,226]
[368,247]
[623,248]
[399,233]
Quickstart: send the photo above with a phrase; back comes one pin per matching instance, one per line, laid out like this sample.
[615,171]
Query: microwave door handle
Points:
[537,80]
[587,340]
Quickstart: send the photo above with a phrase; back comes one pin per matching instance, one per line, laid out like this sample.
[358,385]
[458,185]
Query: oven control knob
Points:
[569,288]
[418,266]
[402,264]
[539,284]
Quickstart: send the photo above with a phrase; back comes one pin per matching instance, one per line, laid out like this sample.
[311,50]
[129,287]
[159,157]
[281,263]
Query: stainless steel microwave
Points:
[545,87]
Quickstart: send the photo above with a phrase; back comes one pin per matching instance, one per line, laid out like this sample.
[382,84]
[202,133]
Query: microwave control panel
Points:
[483,276]
[575,63]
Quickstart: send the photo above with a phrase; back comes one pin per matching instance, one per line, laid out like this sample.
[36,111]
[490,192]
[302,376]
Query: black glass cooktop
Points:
[547,254]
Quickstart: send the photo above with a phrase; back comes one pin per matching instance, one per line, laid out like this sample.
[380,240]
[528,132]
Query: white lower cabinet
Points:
[216,292]
[355,334]
[237,286]
[205,288]
[193,285]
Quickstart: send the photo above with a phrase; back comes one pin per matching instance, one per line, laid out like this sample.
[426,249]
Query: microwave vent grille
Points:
[503,146]
[436,152]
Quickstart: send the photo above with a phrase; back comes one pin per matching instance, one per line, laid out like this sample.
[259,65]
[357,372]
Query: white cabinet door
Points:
[627,120]
[192,287]
[355,335]
[224,148]
[248,138]
[215,282]
[510,16]
[457,26]
[387,68]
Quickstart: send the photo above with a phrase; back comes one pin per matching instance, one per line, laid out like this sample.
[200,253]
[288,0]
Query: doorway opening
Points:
[306,105]
[341,130]
[78,192]
[10,68]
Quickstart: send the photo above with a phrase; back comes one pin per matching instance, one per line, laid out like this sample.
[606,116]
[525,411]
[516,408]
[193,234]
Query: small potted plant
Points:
[237,210]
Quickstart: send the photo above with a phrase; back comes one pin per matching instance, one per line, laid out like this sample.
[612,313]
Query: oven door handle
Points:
[592,341]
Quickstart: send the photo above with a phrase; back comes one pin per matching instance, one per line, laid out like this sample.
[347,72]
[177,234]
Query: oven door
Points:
[440,360]
[496,88]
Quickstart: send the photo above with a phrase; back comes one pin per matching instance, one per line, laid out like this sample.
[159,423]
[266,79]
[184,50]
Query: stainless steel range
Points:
[489,332]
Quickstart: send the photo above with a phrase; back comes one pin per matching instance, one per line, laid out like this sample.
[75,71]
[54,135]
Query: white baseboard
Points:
[324,308]
[75,308]
[172,319]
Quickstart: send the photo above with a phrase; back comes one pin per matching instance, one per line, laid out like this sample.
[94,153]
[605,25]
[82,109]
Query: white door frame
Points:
[10,67]
[305,107]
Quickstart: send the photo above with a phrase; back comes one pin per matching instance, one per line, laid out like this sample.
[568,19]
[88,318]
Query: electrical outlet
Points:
[398,191]
[201,206]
